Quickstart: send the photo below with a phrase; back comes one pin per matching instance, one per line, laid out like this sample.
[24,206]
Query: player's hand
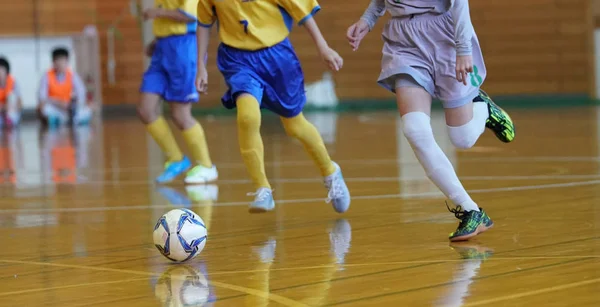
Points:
[464,66]
[202,80]
[151,13]
[332,58]
[150,48]
[356,33]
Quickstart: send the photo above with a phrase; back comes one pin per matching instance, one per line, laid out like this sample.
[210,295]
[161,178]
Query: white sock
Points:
[466,136]
[417,129]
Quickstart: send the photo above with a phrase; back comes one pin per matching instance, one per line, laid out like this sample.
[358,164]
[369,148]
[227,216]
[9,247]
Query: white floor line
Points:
[532,159]
[23,185]
[304,200]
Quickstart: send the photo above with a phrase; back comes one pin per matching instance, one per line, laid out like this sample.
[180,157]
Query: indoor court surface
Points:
[76,218]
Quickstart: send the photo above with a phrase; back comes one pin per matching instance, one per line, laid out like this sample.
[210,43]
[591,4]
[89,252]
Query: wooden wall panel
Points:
[530,47]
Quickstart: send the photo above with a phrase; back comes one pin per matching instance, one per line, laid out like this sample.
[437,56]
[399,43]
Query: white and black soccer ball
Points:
[180,235]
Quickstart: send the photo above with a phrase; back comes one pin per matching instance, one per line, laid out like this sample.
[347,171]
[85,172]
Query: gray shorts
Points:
[419,50]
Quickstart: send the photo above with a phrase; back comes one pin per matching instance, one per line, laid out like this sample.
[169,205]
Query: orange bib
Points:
[61,91]
[7,90]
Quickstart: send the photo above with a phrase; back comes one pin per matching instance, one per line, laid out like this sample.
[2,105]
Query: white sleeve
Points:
[17,90]
[43,90]
[463,28]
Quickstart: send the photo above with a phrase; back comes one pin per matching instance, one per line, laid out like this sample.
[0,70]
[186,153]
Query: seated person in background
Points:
[62,96]
[10,97]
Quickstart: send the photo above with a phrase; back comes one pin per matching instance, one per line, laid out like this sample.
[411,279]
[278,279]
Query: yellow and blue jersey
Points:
[254,24]
[164,27]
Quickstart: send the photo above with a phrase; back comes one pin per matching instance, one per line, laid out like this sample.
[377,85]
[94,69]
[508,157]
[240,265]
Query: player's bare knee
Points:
[182,116]
[146,113]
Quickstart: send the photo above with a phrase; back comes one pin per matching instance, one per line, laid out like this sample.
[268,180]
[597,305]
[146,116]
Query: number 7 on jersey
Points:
[245,24]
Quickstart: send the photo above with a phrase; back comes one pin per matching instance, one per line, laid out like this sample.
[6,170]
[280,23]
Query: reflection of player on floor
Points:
[62,94]
[10,97]
[171,76]
[453,74]
[262,71]
[59,154]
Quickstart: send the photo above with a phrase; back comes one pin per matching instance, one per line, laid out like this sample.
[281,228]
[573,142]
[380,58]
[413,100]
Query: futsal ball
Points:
[182,285]
[180,235]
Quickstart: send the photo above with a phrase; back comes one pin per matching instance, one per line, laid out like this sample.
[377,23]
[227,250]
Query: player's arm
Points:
[375,10]
[203,35]
[463,34]
[365,24]
[463,28]
[206,18]
[19,97]
[330,56]
[303,11]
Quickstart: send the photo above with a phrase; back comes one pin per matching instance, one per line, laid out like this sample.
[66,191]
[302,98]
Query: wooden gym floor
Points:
[76,219]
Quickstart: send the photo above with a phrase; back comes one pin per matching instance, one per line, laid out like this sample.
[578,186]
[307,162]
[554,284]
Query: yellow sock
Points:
[299,128]
[196,140]
[162,135]
[251,144]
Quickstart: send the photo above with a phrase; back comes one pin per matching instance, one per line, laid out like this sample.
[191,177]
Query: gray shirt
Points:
[78,87]
[459,9]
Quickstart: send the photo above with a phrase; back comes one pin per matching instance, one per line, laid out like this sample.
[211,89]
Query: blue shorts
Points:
[272,75]
[172,71]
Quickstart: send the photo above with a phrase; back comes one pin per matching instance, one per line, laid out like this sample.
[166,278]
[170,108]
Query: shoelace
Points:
[459,213]
[261,195]
[335,189]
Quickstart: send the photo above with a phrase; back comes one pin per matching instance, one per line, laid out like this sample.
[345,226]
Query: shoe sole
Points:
[259,210]
[480,229]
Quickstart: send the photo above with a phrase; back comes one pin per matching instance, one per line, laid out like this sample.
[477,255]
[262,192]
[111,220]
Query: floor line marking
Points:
[72,286]
[262,294]
[318,180]
[300,268]
[359,162]
[533,292]
[409,262]
[305,200]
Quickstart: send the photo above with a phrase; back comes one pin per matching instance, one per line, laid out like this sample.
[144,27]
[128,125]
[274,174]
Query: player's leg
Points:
[414,104]
[466,122]
[180,66]
[245,92]
[468,108]
[193,134]
[82,115]
[285,95]
[466,116]
[298,127]
[153,86]
[53,115]
[252,150]
[158,127]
